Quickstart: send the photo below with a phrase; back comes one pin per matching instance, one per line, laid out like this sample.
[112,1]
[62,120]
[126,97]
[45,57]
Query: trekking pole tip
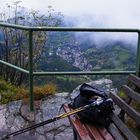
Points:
[5,137]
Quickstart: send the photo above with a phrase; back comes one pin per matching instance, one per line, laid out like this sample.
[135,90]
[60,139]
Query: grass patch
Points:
[122,94]
[9,92]
[43,91]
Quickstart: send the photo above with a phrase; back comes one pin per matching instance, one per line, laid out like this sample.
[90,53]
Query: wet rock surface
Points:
[17,115]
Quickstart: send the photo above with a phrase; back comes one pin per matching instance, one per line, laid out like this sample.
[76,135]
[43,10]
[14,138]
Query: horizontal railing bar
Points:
[73,29]
[85,73]
[70,29]
[69,73]
[15,67]
[15,26]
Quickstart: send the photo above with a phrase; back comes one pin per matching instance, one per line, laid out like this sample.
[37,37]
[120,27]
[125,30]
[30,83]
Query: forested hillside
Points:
[58,51]
[63,52]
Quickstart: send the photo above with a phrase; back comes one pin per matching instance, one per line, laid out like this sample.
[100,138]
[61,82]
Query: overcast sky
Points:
[116,13]
[91,13]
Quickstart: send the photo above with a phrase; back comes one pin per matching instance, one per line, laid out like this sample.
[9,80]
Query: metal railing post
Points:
[138,56]
[31,70]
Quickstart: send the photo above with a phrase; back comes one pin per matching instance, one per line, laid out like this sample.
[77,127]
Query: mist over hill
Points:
[74,51]
[99,38]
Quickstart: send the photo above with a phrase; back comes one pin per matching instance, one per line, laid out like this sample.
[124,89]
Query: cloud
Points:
[94,13]
[100,38]
[119,13]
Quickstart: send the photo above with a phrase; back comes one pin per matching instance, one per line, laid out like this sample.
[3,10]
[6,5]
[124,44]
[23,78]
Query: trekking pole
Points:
[61,116]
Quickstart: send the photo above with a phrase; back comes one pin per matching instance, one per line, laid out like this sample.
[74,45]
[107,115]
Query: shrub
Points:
[6,97]
[5,86]
[8,92]
[44,91]
[21,93]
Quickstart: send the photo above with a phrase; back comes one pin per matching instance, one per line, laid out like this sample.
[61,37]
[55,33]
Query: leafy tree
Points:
[14,46]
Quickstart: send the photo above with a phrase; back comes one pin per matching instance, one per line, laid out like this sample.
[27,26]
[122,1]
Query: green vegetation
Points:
[69,83]
[122,94]
[112,57]
[9,92]
[55,63]
[63,83]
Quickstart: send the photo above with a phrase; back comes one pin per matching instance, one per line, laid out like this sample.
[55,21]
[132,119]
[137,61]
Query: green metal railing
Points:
[31,73]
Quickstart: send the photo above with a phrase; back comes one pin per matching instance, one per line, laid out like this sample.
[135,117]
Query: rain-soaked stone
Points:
[26,113]
[67,133]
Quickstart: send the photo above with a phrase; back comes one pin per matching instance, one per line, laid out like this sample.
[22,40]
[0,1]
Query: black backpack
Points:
[98,115]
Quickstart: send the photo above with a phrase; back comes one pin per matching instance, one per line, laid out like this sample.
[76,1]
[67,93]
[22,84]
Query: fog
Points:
[93,13]
[100,38]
